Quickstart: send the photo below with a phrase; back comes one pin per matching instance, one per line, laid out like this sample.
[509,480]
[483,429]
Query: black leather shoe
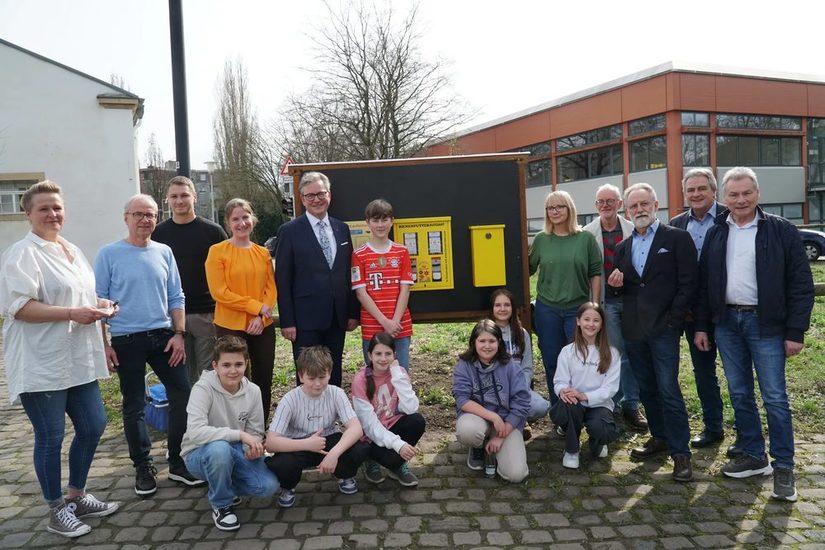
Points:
[735,449]
[682,469]
[706,438]
[635,420]
[651,447]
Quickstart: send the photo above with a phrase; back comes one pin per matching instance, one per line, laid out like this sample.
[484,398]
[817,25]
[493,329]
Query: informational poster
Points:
[429,243]
[360,233]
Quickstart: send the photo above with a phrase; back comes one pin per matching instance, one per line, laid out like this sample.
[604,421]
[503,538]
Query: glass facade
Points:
[696,150]
[791,211]
[589,138]
[648,154]
[539,173]
[816,151]
[758,122]
[696,120]
[605,161]
[645,125]
[758,151]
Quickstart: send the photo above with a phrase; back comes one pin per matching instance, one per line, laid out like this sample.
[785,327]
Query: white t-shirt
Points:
[298,415]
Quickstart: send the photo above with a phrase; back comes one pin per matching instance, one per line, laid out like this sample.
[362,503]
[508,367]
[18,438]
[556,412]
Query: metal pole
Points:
[179,86]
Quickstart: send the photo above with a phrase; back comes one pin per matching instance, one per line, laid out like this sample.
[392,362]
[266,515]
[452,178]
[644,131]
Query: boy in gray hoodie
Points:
[223,443]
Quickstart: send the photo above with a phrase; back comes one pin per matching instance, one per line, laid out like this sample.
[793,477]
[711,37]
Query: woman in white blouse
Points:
[54,354]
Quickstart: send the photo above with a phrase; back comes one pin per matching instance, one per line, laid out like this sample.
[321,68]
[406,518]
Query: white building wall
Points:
[53,124]
[777,184]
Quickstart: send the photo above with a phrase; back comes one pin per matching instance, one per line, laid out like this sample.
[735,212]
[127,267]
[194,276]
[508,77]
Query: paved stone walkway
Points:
[611,503]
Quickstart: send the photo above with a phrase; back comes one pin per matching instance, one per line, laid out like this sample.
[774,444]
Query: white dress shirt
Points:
[330,235]
[741,286]
[54,355]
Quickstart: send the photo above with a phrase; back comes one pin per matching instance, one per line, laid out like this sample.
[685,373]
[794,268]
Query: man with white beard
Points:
[656,273]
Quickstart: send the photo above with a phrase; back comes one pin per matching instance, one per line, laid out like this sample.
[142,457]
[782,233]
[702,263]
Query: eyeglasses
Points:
[557,208]
[315,196]
[608,202]
[137,216]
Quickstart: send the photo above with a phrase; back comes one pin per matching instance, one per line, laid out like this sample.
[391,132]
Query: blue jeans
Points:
[707,383]
[402,351]
[656,366]
[229,473]
[743,351]
[47,412]
[628,394]
[554,328]
[134,351]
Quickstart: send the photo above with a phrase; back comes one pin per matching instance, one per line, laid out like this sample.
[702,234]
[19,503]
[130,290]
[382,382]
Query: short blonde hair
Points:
[45,186]
[572,220]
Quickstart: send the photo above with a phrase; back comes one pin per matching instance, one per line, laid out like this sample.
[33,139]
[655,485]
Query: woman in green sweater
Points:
[570,266]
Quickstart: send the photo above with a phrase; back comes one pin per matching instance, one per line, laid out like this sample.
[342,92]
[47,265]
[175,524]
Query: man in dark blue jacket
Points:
[757,291]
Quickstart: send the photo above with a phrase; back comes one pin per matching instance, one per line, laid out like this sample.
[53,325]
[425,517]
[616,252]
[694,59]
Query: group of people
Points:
[196,305]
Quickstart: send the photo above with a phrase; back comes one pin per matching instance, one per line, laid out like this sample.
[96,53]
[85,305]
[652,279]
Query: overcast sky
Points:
[504,55]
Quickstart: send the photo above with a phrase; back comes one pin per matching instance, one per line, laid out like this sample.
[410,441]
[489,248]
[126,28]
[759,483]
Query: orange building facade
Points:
[654,125]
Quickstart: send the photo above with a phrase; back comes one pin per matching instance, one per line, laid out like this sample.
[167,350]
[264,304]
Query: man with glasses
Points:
[312,271]
[141,276]
[610,229]
[699,187]
[656,274]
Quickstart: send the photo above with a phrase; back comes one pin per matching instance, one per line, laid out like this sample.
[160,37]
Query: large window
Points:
[589,138]
[791,211]
[816,150]
[12,188]
[758,122]
[697,120]
[538,173]
[648,154]
[645,125]
[605,161]
[758,151]
[695,149]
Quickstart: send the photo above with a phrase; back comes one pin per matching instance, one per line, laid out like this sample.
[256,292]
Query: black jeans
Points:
[410,427]
[601,427]
[134,351]
[288,467]
[261,360]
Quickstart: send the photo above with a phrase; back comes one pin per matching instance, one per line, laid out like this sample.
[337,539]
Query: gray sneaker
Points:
[783,485]
[747,466]
[475,458]
[88,506]
[62,521]
[404,476]
[372,471]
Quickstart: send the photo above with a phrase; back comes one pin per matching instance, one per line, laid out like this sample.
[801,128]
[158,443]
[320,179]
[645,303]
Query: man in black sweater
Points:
[190,236]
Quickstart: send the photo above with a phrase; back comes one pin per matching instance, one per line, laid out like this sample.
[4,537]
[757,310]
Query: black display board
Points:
[473,190]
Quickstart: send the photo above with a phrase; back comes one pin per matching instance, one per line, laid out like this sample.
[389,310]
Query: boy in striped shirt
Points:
[304,434]
[381,278]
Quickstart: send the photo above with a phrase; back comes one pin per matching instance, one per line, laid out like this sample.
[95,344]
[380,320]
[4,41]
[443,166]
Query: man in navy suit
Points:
[312,271]
[699,187]
[657,275]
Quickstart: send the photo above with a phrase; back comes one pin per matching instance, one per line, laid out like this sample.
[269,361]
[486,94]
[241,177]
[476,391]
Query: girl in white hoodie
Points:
[586,379]
[223,443]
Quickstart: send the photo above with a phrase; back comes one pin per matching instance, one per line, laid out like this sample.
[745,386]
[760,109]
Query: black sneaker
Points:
[179,473]
[783,485]
[747,466]
[225,519]
[145,483]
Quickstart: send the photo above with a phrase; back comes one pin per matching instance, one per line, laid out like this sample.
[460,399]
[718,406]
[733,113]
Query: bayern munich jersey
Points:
[382,274]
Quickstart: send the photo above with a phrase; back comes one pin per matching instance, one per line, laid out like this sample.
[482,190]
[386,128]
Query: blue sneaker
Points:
[348,486]
[287,498]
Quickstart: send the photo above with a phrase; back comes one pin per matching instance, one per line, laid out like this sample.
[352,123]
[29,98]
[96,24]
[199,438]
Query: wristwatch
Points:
[181,332]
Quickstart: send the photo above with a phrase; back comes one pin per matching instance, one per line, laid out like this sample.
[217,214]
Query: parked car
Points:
[814,242]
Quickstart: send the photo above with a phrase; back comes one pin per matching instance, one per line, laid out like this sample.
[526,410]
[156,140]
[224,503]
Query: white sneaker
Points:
[570,460]
[603,452]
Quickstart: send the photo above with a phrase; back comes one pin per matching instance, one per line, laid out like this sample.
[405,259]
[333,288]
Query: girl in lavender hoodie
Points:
[493,401]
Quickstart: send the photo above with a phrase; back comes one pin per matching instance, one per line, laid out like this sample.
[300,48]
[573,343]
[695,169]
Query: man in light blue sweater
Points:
[142,278]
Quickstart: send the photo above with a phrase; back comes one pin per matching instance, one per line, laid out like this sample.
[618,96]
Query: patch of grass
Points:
[435,395]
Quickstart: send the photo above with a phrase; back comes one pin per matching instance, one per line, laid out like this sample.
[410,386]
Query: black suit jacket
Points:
[662,296]
[681,220]
[311,296]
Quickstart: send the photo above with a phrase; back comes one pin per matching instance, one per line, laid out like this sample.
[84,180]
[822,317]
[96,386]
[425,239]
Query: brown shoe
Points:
[527,432]
[651,447]
[635,420]
[682,469]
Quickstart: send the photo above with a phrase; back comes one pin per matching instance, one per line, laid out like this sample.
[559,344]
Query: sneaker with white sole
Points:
[88,506]
[225,519]
[475,458]
[179,473]
[372,471]
[570,460]
[145,482]
[348,486]
[62,521]
[287,498]
[404,476]
[784,487]
[747,466]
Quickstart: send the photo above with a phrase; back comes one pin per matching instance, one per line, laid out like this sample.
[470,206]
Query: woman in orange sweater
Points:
[242,282]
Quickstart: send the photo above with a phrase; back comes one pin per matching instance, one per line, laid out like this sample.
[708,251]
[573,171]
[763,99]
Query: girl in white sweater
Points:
[586,379]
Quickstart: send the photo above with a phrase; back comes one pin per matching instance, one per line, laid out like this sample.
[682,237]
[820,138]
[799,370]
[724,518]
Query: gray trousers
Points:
[199,344]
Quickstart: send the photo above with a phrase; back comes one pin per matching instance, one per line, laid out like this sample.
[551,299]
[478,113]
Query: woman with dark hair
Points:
[492,400]
[242,282]
[387,407]
[54,355]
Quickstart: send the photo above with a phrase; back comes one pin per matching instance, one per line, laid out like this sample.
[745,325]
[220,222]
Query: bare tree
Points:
[247,166]
[374,95]
[154,175]
[118,80]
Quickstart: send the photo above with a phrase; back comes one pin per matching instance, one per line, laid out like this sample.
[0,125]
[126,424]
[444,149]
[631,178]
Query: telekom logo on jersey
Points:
[377,279]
